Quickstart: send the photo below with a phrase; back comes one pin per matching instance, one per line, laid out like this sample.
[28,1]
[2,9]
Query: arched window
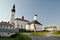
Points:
[4,26]
[7,26]
[21,27]
[10,27]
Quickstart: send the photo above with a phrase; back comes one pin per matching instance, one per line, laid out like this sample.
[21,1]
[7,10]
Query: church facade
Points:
[21,23]
[34,25]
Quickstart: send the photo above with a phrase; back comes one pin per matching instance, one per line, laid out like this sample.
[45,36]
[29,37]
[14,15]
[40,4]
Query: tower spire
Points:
[13,9]
[12,15]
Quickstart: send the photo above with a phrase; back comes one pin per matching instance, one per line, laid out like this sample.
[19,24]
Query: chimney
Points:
[22,17]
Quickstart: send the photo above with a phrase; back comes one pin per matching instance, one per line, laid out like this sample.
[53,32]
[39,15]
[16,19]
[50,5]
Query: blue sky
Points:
[48,11]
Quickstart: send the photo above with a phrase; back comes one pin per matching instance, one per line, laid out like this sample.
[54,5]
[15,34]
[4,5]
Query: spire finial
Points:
[13,9]
[14,6]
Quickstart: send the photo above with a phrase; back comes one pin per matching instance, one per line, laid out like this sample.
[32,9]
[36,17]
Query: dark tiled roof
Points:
[5,23]
[8,30]
[35,22]
[21,19]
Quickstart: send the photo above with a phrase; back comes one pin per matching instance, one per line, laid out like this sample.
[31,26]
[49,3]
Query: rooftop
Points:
[20,19]
[35,22]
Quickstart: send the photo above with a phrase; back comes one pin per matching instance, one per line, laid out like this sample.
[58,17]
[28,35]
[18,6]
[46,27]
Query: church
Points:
[21,23]
[34,25]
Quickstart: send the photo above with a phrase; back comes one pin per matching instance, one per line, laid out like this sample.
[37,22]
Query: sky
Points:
[48,11]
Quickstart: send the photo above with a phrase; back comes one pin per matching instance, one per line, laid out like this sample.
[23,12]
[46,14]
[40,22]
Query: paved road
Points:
[42,38]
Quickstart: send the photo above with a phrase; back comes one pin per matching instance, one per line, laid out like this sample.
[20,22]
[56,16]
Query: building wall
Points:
[28,27]
[38,27]
[51,29]
[31,27]
[5,26]
[6,34]
[20,24]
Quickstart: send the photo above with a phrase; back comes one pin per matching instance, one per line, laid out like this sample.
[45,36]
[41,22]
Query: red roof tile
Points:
[22,19]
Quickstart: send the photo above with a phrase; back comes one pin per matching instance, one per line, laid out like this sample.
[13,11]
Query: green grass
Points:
[19,37]
[25,37]
[39,33]
[57,32]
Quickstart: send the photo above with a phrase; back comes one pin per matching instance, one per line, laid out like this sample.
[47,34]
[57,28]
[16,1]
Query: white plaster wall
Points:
[38,27]
[20,23]
[28,27]
[32,26]
[12,17]
[16,22]
[51,29]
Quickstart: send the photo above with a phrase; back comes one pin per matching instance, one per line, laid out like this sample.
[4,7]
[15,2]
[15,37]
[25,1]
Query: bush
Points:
[22,30]
[45,31]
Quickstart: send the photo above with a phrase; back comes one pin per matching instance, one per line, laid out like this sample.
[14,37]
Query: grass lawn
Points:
[57,32]
[25,37]
[19,37]
[39,33]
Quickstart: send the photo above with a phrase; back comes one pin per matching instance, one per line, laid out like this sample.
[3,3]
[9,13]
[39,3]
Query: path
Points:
[41,38]
[49,34]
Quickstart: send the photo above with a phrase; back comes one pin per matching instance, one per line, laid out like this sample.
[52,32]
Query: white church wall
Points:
[38,27]
[32,26]
[28,27]
[22,24]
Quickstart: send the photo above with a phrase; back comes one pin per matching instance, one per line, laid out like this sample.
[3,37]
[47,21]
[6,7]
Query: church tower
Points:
[12,15]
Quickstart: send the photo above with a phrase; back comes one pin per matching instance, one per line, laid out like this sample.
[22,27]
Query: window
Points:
[21,26]
[18,26]
[8,33]
[10,26]
[4,26]
[7,26]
